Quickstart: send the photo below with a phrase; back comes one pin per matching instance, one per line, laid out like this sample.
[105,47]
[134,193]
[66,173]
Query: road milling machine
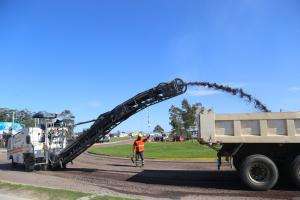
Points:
[47,145]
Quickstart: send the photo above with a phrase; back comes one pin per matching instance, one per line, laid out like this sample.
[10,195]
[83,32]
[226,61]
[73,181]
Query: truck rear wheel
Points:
[28,167]
[259,172]
[295,171]
[29,161]
[13,164]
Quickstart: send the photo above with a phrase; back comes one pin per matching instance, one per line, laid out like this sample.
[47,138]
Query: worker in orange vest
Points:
[139,147]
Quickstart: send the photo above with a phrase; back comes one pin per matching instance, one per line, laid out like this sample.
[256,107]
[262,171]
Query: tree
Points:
[182,119]
[176,119]
[2,116]
[188,114]
[21,116]
[158,129]
[67,117]
[25,116]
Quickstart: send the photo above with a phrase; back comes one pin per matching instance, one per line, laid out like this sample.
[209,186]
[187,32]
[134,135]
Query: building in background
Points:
[5,127]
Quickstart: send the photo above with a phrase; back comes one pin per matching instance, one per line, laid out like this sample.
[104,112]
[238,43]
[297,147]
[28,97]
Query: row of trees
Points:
[21,116]
[25,116]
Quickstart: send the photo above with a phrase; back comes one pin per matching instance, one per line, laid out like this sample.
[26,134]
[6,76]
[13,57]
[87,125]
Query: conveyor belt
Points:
[109,120]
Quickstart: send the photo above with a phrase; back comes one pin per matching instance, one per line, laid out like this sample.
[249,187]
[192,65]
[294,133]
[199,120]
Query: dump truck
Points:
[261,146]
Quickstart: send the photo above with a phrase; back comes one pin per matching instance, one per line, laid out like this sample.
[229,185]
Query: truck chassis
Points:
[260,165]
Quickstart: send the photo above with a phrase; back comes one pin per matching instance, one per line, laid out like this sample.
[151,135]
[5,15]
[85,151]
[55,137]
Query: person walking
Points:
[139,147]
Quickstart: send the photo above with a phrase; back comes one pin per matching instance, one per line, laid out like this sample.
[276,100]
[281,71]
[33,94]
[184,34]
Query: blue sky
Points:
[89,56]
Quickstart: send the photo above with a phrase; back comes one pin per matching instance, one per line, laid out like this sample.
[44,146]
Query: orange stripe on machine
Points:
[18,150]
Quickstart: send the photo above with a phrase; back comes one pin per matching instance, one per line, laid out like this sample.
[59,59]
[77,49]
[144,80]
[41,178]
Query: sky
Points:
[89,56]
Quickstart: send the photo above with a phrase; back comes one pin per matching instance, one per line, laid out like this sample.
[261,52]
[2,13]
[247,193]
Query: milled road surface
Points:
[158,179]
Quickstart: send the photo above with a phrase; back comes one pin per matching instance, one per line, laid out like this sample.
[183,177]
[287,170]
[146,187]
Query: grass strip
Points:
[161,150]
[51,194]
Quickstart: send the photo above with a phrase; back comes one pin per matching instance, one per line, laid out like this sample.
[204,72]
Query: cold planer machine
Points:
[109,120]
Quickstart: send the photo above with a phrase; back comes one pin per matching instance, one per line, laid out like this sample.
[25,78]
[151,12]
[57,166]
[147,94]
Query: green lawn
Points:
[160,150]
[116,139]
[51,194]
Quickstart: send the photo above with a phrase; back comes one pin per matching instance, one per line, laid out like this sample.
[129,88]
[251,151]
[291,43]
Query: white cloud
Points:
[202,92]
[94,104]
[294,89]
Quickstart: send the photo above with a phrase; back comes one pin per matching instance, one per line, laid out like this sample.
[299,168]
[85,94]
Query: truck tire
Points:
[13,164]
[259,172]
[28,167]
[28,162]
[295,171]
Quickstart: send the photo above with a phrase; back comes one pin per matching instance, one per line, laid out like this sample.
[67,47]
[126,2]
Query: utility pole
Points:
[46,142]
[13,122]
[13,118]
[148,121]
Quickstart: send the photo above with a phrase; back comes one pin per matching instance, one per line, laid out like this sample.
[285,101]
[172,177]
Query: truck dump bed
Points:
[281,127]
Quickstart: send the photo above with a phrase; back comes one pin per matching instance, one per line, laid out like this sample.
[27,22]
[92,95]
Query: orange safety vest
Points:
[139,145]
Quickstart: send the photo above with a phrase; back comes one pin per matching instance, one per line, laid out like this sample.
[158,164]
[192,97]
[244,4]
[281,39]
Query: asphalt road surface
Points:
[158,179]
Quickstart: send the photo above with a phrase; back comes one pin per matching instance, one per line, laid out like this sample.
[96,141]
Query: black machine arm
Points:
[109,120]
[85,122]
